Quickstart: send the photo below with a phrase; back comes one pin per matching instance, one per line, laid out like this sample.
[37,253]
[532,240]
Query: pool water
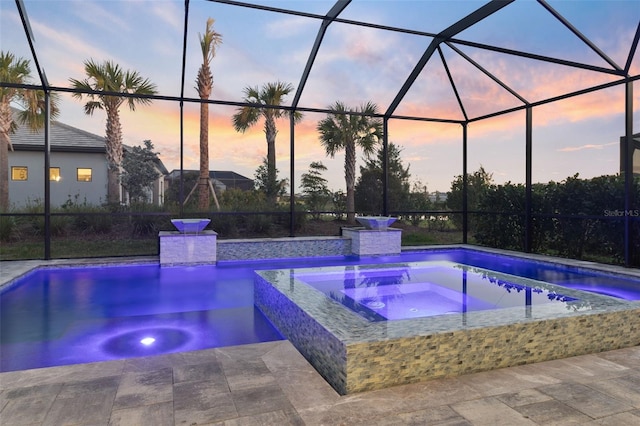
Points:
[70,316]
[61,316]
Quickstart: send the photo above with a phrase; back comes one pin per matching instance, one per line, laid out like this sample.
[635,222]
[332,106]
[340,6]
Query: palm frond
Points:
[245,117]
[341,127]
[33,115]
[209,41]
[109,77]
[252,95]
[297,116]
[91,106]
[12,69]
[17,70]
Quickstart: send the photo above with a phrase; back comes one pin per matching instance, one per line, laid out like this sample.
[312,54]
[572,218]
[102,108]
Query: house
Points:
[438,197]
[636,154]
[221,180]
[78,167]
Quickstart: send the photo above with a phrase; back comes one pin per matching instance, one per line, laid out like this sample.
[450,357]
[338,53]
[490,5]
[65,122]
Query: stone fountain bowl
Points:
[377,223]
[190,226]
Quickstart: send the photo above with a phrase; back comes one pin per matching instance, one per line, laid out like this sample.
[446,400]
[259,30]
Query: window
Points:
[19,173]
[84,175]
[54,174]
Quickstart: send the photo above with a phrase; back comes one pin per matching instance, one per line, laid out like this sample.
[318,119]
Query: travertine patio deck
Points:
[272,384]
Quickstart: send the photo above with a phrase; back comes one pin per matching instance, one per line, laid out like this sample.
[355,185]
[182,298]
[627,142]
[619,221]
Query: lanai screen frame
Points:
[446,37]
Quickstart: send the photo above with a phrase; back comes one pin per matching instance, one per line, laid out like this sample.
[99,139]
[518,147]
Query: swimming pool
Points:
[70,315]
[61,316]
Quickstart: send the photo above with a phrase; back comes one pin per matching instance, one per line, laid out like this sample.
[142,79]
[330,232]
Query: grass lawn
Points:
[75,247]
[121,243]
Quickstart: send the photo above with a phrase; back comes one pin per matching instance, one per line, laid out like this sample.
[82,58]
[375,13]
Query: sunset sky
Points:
[354,65]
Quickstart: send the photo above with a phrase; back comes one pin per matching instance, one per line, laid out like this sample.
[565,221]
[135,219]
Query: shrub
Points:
[144,223]
[8,228]
[88,218]
[58,224]
[576,218]
[225,225]
[416,239]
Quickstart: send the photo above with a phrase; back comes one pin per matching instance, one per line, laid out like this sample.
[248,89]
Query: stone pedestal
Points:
[177,248]
[365,242]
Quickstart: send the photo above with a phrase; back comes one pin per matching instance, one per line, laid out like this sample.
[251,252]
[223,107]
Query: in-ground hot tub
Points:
[369,327]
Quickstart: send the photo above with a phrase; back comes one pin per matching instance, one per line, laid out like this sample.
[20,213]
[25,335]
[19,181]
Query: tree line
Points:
[574,218]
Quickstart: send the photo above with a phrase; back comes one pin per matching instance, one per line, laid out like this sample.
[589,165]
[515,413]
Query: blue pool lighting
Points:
[59,316]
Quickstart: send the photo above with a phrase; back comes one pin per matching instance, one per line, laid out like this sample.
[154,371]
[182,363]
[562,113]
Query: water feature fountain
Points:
[378,223]
[191,244]
[190,226]
[375,237]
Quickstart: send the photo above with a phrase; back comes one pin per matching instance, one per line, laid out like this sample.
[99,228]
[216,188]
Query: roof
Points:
[228,178]
[227,175]
[62,138]
[214,174]
[232,179]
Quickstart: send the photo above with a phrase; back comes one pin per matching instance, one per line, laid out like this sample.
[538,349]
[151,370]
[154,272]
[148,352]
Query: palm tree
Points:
[208,43]
[17,71]
[271,95]
[344,130]
[110,79]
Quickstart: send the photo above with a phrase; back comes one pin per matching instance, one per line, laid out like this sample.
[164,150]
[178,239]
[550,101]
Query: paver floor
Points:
[272,384]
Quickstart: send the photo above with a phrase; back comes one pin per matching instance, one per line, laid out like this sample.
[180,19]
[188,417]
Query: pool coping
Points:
[12,270]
